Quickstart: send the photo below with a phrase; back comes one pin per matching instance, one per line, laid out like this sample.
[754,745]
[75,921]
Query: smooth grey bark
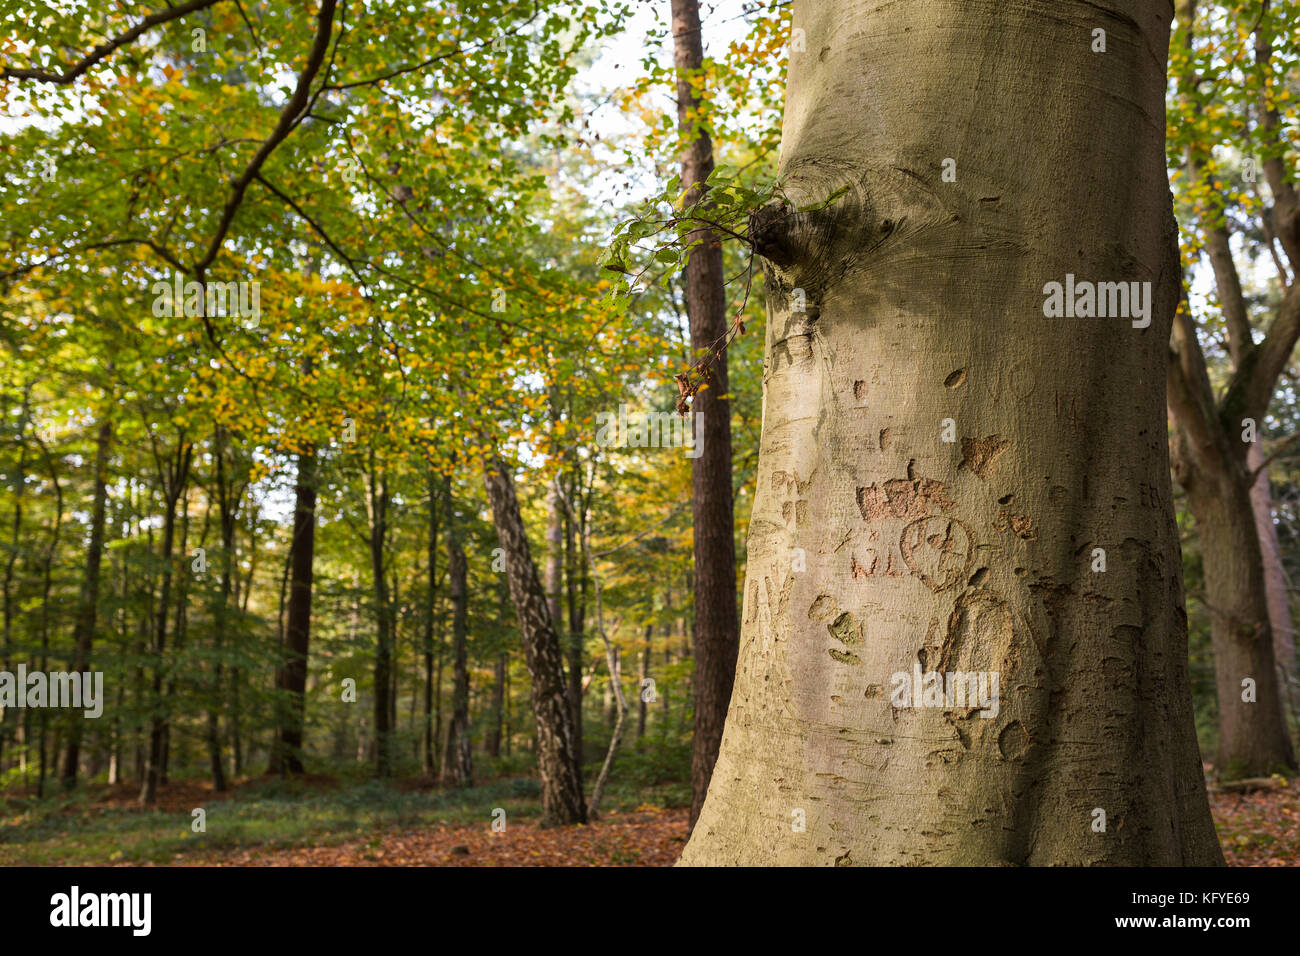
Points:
[877,547]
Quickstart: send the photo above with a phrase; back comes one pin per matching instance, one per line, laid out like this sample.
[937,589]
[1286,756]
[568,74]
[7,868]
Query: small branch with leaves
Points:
[722,209]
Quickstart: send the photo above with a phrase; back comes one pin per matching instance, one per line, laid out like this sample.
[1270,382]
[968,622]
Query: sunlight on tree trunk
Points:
[940,460]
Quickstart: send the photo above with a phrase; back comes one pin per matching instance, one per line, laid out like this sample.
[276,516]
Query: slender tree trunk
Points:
[172,480]
[1252,726]
[667,690]
[562,797]
[228,514]
[612,664]
[1275,577]
[498,704]
[379,500]
[234,725]
[395,631]
[437,691]
[123,621]
[83,633]
[554,550]
[293,667]
[19,485]
[508,728]
[717,625]
[47,566]
[427,748]
[457,768]
[575,574]
[878,550]
[179,632]
[641,685]
[143,628]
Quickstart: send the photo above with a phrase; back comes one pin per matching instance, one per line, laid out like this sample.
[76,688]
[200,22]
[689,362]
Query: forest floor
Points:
[325,821]
[1260,828]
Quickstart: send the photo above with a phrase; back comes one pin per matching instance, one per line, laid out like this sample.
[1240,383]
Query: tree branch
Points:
[290,116]
[1253,382]
[104,49]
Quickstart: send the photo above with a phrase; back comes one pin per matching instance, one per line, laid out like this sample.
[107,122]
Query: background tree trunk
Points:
[498,707]
[172,479]
[293,679]
[1211,461]
[427,742]
[575,575]
[1253,739]
[641,684]
[456,758]
[1276,584]
[557,760]
[88,607]
[717,627]
[554,550]
[924,303]
[378,506]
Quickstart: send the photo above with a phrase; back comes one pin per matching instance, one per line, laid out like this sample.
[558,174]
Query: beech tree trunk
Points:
[229,495]
[717,627]
[557,759]
[575,574]
[378,499]
[171,480]
[19,481]
[641,684]
[456,759]
[88,607]
[493,742]
[554,550]
[876,547]
[1276,583]
[427,739]
[1253,738]
[293,668]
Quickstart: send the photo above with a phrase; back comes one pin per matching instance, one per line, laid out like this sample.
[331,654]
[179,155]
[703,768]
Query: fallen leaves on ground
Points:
[1261,828]
[1256,828]
[647,836]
